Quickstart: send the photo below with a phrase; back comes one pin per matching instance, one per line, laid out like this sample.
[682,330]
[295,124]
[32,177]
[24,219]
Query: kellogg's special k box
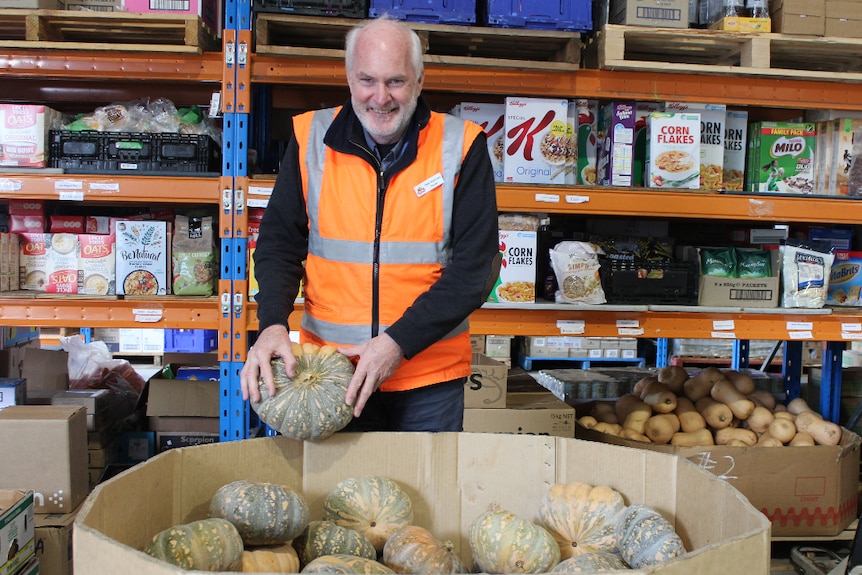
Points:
[491,118]
[538,142]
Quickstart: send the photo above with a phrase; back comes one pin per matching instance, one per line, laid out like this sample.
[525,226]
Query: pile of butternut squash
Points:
[712,407]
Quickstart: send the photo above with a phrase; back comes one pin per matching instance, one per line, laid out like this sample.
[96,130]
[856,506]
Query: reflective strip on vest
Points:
[362,252]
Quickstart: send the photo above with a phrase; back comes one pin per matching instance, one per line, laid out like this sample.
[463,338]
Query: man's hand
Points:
[272,342]
[379,357]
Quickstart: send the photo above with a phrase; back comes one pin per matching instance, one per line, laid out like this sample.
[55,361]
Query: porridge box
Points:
[537,142]
[96,264]
[673,150]
[142,257]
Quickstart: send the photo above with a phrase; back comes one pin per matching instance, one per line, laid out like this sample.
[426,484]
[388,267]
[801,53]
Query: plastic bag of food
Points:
[576,267]
[805,271]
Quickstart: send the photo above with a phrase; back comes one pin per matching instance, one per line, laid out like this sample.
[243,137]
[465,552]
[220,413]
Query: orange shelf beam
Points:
[141,189]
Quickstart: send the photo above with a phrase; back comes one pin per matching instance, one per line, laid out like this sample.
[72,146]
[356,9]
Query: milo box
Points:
[783,158]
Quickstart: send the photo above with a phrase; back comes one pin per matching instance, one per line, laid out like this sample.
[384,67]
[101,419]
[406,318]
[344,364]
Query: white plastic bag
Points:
[91,366]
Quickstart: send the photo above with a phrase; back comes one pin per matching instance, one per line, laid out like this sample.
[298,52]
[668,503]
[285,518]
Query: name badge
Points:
[431,183]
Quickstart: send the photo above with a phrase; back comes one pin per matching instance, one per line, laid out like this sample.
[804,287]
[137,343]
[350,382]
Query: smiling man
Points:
[388,211]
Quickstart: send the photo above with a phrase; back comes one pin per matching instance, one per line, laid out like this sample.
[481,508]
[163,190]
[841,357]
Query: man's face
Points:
[383,84]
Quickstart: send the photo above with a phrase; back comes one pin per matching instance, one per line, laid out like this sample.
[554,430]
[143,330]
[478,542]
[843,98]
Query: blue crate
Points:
[562,15]
[461,12]
[191,340]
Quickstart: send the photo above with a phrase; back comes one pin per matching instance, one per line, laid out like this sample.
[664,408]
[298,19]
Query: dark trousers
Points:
[438,407]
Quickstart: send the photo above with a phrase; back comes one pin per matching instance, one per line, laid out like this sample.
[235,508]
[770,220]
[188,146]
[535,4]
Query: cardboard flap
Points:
[177,397]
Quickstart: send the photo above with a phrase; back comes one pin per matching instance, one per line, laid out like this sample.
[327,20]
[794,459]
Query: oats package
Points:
[805,272]
[576,266]
[194,256]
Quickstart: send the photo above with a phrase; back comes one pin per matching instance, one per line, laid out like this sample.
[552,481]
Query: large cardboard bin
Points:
[451,478]
[803,491]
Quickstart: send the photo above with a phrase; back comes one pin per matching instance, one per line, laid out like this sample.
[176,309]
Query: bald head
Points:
[385,33]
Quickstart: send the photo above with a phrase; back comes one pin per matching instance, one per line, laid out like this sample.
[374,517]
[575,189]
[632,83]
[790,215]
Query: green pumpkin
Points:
[591,562]
[346,565]
[375,506]
[645,537]
[263,513]
[502,542]
[327,538]
[311,405]
[207,545]
[415,550]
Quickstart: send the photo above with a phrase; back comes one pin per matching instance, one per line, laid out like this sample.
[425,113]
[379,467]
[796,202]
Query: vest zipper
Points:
[378,224]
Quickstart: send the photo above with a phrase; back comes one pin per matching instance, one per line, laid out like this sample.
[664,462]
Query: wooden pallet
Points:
[308,36]
[722,52]
[121,31]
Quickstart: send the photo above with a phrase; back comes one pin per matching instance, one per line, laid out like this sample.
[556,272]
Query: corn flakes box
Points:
[674,150]
[517,280]
[712,120]
[735,138]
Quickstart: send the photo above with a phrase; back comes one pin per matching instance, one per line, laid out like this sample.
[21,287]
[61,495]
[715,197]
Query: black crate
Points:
[647,282]
[164,154]
[338,8]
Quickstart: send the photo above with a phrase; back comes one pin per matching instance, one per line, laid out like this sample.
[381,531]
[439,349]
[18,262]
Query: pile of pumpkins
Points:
[367,527]
[712,407]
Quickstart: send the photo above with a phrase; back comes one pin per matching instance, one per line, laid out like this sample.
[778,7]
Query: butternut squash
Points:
[782,429]
[673,376]
[741,381]
[700,384]
[632,412]
[587,421]
[746,436]
[737,443]
[609,428]
[824,432]
[692,438]
[802,439]
[760,419]
[798,405]
[780,408]
[661,427]
[689,418]
[725,392]
[632,434]
[659,397]
[640,384]
[778,414]
[764,397]
[717,414]
[767,440]
[604,411]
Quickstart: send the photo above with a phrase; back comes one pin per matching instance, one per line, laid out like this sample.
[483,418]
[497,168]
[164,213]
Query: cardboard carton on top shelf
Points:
[451,479]
[16,529]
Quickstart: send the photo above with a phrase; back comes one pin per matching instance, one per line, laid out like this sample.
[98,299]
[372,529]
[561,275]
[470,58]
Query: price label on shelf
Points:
[571,327]
[570,199]
[851,327]
[795,335]
[71,196]
[547,198]
[630,331]
[68,185]
[723,325]
[799,326]
[147,315]
[723,335]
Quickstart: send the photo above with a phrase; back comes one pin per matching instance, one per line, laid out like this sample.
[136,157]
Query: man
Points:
[393,209]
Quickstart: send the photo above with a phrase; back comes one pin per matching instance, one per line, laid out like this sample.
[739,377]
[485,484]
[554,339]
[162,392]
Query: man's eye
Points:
[396,83]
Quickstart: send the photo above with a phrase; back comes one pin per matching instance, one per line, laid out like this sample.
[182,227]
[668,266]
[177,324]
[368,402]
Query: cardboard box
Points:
[805,491]
[486,386]
[540,413]
[735,138]
[517,280]
[845,280]
[746,25]
[536,140]
[24,134]
[54,542]
[616,135]
[799,17]
[470,471]
[13,391]
[741,292]
[587,144]
[142,256]
[498,346]
[842,19]
[47,448]
[171,440]
[94,400]
[183,406]
[656,13]
[674,150]
[491,117]
[16,529]
[210,11]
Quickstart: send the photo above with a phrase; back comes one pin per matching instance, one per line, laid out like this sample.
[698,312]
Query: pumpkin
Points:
[263,513]
[502,542]
[645,537]
[311,405]
[581,517]
[414,549]
[271,559]
[211,544]
[346,565]
[327,538]
[591,562]
[375,506]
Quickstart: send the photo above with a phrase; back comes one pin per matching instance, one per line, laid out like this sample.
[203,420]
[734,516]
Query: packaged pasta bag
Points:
[576,267]
[805,270]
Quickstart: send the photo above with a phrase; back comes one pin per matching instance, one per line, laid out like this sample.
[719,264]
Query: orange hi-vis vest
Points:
[372,252]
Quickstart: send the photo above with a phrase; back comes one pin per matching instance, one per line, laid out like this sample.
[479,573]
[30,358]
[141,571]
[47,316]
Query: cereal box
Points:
[24,134]
[735,137]
[491,117]
[616,143]
[642,112]
[784,157]
[142,257]
[674,150]
[537,141]
[587,140]
[845,279]
[33,261]
[712,120]
[842,158]
[97,264]
[61,267]
[571,175]
[517,281]
[823,162]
